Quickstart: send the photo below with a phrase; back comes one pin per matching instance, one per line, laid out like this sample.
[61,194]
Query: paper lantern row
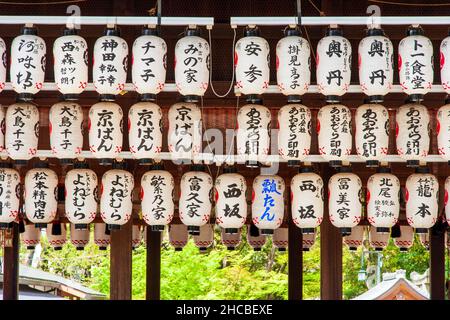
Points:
[252,52]
[345,199]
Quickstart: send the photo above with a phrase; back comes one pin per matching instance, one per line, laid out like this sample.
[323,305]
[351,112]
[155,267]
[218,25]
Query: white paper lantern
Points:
[115,199]
[268,203]
[255,241]
[102,237]
[56,241]
[178,236]
[231,203]
[383,200]
[333,60]
[231,240]
[41,190]
[423,237]
[149,62]
[294,135]
[372,133]
[307,200]
[280,238]
[206,237]
[66,130]
[422,195]
[185,130]
[145,129]
[79,237]
[81,195]
[105,130]
[334,129]
[157,188]
[9,195]
[445,64]
[192,64]
[252,63]
[22,131]
[253,133]
[31,237]
[378,240]
[136,236]
[308,240]
[3,64]
[110,63]
[443,131]
[415,63]
[195,199]
[70,56]
[406,239]
[344,200]
[412,133]
[355,238]
[376,64]
[293,63]
[27,71]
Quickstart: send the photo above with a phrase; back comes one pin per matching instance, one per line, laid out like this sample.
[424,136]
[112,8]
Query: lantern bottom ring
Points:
[193,230]
[70,97]
[231,230]
[254,99]
[81,226]
[293,163]
[372,163]
[266,232]
[375,99]
[24,97]
[415,98]
[308,230]
[382,230]
[378,249]
[333,99]
[178,249]
[294,98]
[113,227]
[352,248]
[252,164]
[345,231]
[421,230]
[40,225]
[66,161]
[4,226]
[231,248]
[403,249]
[57,248]
[30,247]
[335,163]
[80,248]
[158,228]
[305,249]
[282,249]
[412,163]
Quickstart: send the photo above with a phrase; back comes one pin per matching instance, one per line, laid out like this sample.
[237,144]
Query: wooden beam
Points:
[295,261]
[153,274]
[11,267]
[120,268]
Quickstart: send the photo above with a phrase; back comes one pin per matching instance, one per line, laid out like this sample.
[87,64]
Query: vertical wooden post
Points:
[153,275]
[11,267]
[120,268]
[437,265]
[330,250]
[295,257]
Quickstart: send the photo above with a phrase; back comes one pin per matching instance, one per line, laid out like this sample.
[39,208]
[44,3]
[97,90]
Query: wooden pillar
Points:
[120,268]
[11,267]
[437,265]
[295,258]
[153,274]
[330,250]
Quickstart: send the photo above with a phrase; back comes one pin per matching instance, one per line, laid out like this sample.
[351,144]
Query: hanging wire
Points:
[321,13]
[310,45]
[211,64]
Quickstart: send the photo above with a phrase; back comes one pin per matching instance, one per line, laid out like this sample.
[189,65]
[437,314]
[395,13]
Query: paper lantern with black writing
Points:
[308,240]
[255,241]
[415,63]
[105,130]
[56,241]
[81,195]
[383,200]
[252,63]
[230,240]
[268,203]
[333,61]
[406,239]
[376,64]
[422,195]
[79,237]
[253,132]
[157,187]
[66,130]
[195,199]
[145,129]
[41,189]
[372,133]
[293,63]
[70,56]
[192,64]
[307,200]
[184,136]
[412,133]
[110,63]
[9,195]
[444,60]
[334,129]
[424,239]
[344,200]
[178,236]
[443,131]
[231,204]
[378,240]
[3,64]
[31,237]
[149,62]
[102,236]
[27,71]
[294,135]
[205,239]
[136,236]
[115,197]
[22,131]
[280,238]
[355,238]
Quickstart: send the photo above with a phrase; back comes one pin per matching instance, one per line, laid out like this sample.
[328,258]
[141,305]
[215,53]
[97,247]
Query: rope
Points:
[321,13]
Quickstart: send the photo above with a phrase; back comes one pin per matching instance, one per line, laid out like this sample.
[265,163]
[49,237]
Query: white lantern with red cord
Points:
[443,131]
[255,238]
[56,241]
[178,236]
[378,240]
[102,236]
[79,237]
[280,238]
[31,237]
[308,240]
[9,195]
[205,239]
[231,240]
[355,238]
[406,239]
